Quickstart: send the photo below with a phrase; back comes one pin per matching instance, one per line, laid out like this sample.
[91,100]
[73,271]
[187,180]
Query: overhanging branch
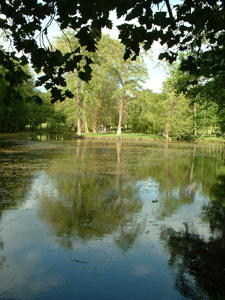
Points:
[170,13]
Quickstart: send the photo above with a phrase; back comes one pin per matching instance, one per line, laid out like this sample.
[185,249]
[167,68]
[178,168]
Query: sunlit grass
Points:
[125,135]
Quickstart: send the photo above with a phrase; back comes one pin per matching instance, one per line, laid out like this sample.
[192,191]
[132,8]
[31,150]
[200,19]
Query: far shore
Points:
[28,135]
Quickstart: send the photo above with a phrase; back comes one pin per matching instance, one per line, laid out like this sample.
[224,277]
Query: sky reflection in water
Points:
[111,220]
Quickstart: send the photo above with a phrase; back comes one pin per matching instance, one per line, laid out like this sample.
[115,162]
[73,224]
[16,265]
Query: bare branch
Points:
[119,76]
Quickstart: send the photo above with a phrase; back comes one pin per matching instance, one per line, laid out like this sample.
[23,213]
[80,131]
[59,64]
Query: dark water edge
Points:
[111,220]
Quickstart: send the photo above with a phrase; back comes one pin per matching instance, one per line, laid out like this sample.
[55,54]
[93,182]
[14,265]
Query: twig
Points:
[81,262]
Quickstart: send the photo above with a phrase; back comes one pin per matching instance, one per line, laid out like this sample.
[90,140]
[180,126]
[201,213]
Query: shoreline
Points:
[28,135]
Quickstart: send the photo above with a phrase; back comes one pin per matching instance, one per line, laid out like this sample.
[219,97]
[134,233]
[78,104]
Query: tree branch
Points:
[119,76]
[170,13]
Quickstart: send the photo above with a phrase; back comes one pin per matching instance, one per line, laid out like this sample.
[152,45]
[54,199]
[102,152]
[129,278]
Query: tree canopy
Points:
[189,25]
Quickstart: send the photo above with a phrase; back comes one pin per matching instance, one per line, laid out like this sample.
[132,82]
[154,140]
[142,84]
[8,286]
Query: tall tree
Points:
[112,86]
[205,98]
[68,42]
[129,75]
[177,111]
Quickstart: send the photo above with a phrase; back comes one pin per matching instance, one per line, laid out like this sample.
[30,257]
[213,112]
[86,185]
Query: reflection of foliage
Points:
[198,259]
[128,233]
[181,173]
[91,207]
[2,262]
[97,191]
[214,212]
[2,258]
[95,197]
[218,189]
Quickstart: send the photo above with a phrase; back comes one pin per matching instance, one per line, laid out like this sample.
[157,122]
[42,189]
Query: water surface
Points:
[111,220]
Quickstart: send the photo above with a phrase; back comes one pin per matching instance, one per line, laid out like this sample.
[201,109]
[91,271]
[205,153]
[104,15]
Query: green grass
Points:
[211,139]
[125,135]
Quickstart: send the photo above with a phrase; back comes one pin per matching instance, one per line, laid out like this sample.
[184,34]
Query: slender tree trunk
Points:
[86,130]
[119,128]
[94,127]
[80,107]
[167,129]
[122,102]
[195,118]
[79,125]
[95,120]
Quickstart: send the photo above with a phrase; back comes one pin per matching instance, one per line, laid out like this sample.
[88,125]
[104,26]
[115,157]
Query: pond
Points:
[89,219]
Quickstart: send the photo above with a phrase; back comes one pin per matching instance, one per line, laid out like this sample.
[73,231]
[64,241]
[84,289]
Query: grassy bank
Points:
[152,137]
[125,136]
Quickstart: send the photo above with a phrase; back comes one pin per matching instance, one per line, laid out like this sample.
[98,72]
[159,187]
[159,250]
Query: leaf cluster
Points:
[196,26]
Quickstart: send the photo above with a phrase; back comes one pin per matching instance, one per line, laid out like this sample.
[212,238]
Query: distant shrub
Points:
[187,138]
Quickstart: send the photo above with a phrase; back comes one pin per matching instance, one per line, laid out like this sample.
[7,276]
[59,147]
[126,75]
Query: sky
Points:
[156,71]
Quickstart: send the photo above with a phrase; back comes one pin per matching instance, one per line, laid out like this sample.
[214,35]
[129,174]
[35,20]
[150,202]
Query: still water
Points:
[111,220]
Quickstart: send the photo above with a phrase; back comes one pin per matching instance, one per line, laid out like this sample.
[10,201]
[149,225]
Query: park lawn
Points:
[125,135]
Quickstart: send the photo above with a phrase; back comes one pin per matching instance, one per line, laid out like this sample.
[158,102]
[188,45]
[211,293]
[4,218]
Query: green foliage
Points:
[19,102]
[205,99]
[196,26]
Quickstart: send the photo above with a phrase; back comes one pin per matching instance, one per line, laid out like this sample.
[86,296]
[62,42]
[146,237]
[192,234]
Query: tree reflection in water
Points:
[199,259]
[2,258]
[92,201]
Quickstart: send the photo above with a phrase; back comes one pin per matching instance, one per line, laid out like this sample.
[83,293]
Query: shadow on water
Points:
[51,136]
[197,259]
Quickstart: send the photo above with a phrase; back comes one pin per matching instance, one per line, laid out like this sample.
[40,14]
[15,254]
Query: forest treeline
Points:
[115,97]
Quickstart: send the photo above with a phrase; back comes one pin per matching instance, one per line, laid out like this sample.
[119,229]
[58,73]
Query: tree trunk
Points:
[166,131]
[94,127]
[80,107]
[119,128]
[195,118]
[86,130]
[95,120]
[122,102]
[79,125]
